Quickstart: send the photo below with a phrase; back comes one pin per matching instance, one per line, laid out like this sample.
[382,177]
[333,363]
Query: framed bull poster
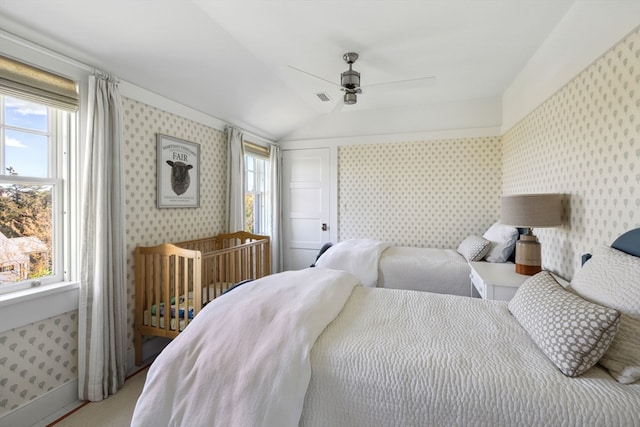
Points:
[178,170]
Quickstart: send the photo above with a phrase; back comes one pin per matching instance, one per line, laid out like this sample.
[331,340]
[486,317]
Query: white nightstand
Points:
[497,281]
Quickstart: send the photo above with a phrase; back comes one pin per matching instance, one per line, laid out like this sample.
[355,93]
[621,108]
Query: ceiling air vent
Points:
[323,96]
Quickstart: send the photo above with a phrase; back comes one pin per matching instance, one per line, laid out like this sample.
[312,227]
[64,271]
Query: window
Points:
[34,142]
[256,160]
[37,131]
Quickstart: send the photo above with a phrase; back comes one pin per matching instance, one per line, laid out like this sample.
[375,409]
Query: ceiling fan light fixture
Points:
[350,98]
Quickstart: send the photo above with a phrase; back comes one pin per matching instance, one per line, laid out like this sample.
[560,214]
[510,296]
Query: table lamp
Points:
[529,211]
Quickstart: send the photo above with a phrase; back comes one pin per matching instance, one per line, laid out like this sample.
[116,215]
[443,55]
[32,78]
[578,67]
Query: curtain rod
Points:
[268,141]
[251,135]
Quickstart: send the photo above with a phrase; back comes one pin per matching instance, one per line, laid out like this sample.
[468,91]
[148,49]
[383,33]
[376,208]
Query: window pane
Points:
[250,179]
[25,114]
[249,213]
[261,176]
[26,154]
[26,224]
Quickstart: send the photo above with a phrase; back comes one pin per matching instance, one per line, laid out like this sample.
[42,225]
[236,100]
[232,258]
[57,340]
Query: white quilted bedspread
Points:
[395,358]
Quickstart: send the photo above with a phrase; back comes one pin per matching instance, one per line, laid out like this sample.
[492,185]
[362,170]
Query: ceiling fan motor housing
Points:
[350,79]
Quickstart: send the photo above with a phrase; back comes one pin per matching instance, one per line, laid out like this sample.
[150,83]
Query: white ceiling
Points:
[233,59]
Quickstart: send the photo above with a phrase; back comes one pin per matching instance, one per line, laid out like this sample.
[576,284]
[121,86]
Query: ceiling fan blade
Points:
[338,106]
[313,75]
[422,81]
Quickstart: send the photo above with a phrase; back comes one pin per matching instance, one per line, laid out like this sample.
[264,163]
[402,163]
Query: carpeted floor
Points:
[115,411]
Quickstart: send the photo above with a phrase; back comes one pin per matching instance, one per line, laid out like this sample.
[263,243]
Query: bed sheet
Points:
[442,271]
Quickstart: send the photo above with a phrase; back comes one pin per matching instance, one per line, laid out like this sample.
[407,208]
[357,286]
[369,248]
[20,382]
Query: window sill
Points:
[31,305]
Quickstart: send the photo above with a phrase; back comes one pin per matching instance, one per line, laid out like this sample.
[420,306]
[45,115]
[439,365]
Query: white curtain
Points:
[102,328]
[275,180]
[235,179]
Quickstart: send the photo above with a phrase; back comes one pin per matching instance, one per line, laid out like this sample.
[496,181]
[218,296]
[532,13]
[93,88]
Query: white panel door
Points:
[306,205]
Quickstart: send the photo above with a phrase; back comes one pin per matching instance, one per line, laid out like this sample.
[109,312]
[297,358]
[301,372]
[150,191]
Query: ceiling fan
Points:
[350,80]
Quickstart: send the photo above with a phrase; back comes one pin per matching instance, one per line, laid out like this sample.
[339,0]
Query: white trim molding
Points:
[34,304]
[392,138]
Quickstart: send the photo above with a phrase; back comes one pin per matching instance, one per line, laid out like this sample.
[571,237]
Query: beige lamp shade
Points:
[530,210]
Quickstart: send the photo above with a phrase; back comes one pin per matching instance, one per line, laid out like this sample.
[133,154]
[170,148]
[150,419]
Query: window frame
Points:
[62,133]
[40,303]
[260,154]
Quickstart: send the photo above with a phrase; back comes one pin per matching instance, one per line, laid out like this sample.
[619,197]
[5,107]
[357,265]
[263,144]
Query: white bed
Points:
[444,271]
[314,348]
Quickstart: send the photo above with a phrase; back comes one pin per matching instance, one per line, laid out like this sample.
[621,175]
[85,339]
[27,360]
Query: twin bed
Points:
[315,348]
[444,271]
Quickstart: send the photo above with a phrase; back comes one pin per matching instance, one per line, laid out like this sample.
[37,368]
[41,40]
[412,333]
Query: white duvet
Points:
[244,360]
[381,358]
[360,257]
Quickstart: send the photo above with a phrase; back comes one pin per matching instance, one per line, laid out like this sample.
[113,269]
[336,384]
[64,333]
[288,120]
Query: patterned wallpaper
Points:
[148,225]
[583,142]
[420,193]
[36,358]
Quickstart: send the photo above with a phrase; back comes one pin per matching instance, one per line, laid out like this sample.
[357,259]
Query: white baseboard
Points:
[43,407]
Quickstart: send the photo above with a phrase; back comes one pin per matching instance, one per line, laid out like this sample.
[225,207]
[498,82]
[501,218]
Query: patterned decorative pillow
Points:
[473,248]
[503,239]
[612,278]
[572,332]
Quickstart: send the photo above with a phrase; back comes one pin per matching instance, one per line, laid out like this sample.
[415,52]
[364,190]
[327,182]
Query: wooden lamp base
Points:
[528,255]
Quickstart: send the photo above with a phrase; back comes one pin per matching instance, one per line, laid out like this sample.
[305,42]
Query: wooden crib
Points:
[174,281]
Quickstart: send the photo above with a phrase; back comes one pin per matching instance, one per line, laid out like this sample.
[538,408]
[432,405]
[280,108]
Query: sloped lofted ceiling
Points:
[235,59]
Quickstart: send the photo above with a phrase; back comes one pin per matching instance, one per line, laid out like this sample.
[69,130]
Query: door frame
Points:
[333,183]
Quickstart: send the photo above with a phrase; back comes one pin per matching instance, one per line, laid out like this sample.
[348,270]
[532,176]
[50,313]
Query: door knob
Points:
[324,227]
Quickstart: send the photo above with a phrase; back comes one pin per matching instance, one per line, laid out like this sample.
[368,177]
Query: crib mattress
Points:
[209,293]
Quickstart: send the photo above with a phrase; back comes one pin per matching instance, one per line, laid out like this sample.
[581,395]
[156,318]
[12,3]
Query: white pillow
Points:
[572,332]
[612,278]
[473,248]
[503,239]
